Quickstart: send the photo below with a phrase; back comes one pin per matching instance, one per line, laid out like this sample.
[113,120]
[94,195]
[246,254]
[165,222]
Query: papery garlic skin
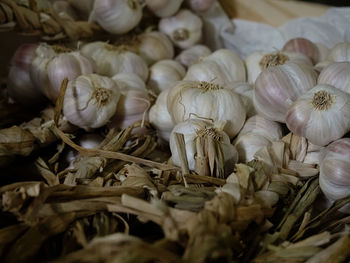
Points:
[116,16]
[90,101]
[191,129]
[83,7]
[163,75]
[111,60]
[189,56]
[259,125]
[257,61]
[321,115]
[63,8]
[160,118]
[340,52]
[303,46]
[184,29]
[154,46]
[334,176]
[336,74]
[246,91]
[206,100]
[163,8]
[200,6]
[277,87]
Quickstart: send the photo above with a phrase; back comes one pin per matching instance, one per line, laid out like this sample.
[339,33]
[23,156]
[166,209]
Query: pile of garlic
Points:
[226,108]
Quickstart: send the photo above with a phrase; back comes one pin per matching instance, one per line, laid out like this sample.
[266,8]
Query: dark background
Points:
[331,3]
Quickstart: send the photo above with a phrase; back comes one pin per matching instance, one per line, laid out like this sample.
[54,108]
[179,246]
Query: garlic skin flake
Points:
[277,87]
[321,115]
[163,75]
[206,100]
[184,29]
[336,74]
[196,129]
[163,8]
[116,16]
[90,101]
[189,56]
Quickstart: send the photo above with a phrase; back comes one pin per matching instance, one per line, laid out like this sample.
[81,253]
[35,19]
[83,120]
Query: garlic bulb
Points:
[259,125]
[246,91]
[323,51]
[336,74]
[160,118]
[248,144]
[116,16]
[257,61]
[133,102]
[200,6]
[163,75]
[163,8]
[303,46]
[321,115]
[334,176]
[90,101]
[203,140]
[340,52]
[111,60]
[184,28]
[154,46]
[206,100]
[20,86]
[192,55]
[277,87]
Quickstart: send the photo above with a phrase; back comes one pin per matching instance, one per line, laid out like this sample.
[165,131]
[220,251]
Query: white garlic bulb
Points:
[277,87]
[199,134]
[336,74]
[116,16]
[259,125]
[163,8]
[154,46]
[184,28]
[334,176]
[321,115]
[257,61]
[303,46]
[248,144]
[133,102]
[191,55]
[111,60]
[246,91]
[90,101]
[200,6]
[206,100]
[20,85]
[160,118]
[163,75]
[340,52]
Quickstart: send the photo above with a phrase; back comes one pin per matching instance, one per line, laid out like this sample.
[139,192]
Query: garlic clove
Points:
[321,115]
[336,74]
[116,16]
[90,101]
[184,29]
[277,87]
[340,52]
[303,46]
[192,55]
[163,75]
[163,8]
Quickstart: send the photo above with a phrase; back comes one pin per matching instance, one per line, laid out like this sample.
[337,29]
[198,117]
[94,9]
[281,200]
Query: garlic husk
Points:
[248,144]
[83,7]
[163,75]
[133,103]
[66,65]
[90,101]
[184,29]
[259,125]
[191,55]
[257,61]
[111,60]
[303,46]
[340,52]
[321,115]
[63,8]
[246,91]
[160,118]
[195,129]
[200,6]
[334,176]
[116,16]
[336,74]
[206,100]
[277,87]
[155,46]
[163,8]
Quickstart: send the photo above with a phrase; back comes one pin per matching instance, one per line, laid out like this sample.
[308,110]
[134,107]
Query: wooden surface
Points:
[272,12]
